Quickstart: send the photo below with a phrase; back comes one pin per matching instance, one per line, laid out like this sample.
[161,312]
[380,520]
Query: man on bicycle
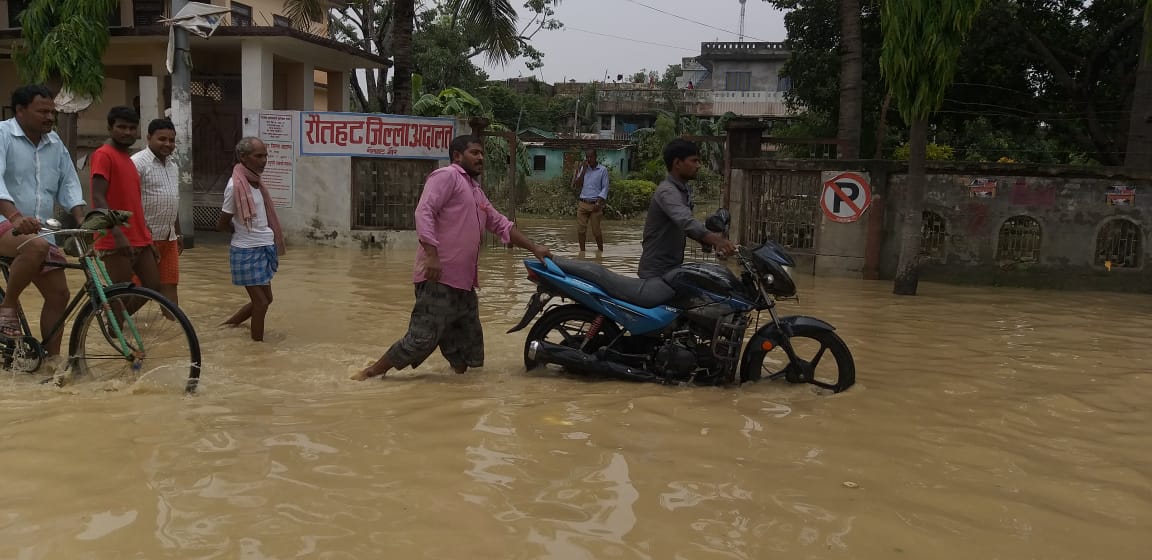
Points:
[36,172]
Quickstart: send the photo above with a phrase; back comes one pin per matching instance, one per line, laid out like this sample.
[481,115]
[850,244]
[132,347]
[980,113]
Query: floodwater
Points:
[986,423]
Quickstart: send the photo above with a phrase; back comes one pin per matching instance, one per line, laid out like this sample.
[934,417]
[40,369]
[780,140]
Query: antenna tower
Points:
[742,2]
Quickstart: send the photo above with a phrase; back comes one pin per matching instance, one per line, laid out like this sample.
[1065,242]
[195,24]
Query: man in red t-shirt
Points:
[116,186]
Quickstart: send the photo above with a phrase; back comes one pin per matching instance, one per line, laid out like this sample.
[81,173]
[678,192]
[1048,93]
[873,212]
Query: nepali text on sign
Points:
[360,134]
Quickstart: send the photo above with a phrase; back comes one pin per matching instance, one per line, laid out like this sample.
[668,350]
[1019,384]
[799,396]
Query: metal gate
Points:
[782,206]
[216,128]
[385,191]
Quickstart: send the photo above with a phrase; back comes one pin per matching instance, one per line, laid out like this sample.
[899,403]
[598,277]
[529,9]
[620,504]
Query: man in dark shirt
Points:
[670,217]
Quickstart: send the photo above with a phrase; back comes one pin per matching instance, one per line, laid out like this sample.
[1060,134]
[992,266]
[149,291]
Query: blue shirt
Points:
[35,178]
[595,183]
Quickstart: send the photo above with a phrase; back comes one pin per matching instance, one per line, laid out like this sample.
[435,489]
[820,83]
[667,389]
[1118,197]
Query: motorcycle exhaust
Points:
[577,361]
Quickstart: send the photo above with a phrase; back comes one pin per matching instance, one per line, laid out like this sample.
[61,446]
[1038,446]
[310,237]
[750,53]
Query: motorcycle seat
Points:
[647,293]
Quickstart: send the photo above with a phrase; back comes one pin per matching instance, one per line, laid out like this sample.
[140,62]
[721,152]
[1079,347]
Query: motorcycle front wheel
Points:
[825,360]
[570,325]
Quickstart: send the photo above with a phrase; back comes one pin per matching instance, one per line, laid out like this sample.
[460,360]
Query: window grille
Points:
[933,234]
[1119,241]
[1019,240]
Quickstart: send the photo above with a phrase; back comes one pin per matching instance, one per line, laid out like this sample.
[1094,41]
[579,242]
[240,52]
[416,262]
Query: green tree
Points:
[449,102]
[921,49]
[490,24]
[1044,73]
[62,44]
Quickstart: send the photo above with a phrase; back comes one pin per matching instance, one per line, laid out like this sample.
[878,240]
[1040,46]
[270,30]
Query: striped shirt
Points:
[160,191]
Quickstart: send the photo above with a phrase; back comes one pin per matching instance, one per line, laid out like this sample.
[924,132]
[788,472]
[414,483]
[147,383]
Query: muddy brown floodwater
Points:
[986,423]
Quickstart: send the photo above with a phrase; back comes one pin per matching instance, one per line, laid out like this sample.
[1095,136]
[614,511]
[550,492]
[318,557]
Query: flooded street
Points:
[985,423]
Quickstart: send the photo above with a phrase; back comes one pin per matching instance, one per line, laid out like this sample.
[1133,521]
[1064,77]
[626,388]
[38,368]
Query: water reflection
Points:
[986,423]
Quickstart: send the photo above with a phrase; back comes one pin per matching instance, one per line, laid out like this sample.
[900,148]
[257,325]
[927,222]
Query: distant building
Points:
[741,78]
[551,156]
[529,85]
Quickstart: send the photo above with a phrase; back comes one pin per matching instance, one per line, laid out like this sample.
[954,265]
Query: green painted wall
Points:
[553,162]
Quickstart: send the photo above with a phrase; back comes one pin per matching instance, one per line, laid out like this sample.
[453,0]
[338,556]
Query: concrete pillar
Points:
[301,84]
[613,126]
[256,67]
[744,141]
[338,93]
[151,104]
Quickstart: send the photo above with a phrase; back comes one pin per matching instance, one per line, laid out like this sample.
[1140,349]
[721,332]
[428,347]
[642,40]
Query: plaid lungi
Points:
[253,266]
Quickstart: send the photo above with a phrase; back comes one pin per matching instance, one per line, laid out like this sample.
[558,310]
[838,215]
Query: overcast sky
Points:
[574,53]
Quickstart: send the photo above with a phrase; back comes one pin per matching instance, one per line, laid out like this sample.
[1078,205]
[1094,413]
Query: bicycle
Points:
[118,315]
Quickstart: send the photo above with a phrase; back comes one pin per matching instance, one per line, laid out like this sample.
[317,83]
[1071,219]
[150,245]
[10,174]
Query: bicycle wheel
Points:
[166,341]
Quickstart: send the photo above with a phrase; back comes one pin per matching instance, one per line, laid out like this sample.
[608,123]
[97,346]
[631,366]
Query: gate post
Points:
[744,142]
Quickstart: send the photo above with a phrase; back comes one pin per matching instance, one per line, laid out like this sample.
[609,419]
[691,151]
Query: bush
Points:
[630,197]
[935,152]
[627,198]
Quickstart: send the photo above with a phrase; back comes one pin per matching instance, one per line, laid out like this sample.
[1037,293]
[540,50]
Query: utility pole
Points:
[182,118]
[576,117]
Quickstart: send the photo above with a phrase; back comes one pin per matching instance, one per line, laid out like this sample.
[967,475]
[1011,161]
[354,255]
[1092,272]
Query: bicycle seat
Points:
[644,293]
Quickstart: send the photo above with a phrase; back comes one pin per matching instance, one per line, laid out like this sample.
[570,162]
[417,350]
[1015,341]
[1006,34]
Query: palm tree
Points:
[62,44]
[494,20]
[918,60]
[851,76]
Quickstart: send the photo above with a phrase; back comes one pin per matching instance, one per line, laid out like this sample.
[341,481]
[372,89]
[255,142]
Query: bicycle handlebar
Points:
[45,232]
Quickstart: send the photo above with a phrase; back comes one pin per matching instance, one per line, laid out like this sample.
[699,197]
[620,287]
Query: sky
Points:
[576,52]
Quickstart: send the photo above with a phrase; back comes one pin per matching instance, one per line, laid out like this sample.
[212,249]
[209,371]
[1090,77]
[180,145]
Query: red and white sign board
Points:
[846,195]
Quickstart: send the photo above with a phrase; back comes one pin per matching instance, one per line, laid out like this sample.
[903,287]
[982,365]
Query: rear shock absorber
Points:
[594,330]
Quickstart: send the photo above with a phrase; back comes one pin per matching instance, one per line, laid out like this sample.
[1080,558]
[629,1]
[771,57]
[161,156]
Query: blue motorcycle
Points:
[685,327]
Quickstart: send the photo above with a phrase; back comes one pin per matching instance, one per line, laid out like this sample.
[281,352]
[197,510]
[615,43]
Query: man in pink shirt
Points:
[451,218]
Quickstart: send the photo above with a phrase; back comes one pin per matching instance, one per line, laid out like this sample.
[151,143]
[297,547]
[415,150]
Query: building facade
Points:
[254,61]
[742,78]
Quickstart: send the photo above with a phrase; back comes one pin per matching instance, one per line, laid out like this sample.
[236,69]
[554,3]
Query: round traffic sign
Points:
[845,198]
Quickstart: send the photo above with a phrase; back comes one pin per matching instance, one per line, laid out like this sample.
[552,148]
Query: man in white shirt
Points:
[36,173]
[160,190]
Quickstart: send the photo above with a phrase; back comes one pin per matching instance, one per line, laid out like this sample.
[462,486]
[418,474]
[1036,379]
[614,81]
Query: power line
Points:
[689,20]
[628,39]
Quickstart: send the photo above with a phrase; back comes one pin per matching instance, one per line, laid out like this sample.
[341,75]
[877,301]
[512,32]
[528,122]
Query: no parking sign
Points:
[846,195]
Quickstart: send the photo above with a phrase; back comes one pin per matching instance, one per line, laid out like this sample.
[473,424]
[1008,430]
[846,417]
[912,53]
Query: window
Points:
[114,17]
[210,89]
[14,9]
[281,21]
[1019,240]
[241,15]
[784,85]
[738,81]
[933,233]
[147,12]
[539,163]
[1118,244]
[385,191]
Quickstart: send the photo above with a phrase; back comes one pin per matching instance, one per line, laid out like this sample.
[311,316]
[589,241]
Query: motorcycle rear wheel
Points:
[569,325]
[773,364]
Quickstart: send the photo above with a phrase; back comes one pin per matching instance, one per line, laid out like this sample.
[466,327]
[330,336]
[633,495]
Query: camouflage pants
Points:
[444,317]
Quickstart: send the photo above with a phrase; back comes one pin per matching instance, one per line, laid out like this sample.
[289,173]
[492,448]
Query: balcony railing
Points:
[693,102]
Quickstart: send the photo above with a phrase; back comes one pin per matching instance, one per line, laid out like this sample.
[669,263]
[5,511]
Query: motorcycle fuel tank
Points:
[691,281]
